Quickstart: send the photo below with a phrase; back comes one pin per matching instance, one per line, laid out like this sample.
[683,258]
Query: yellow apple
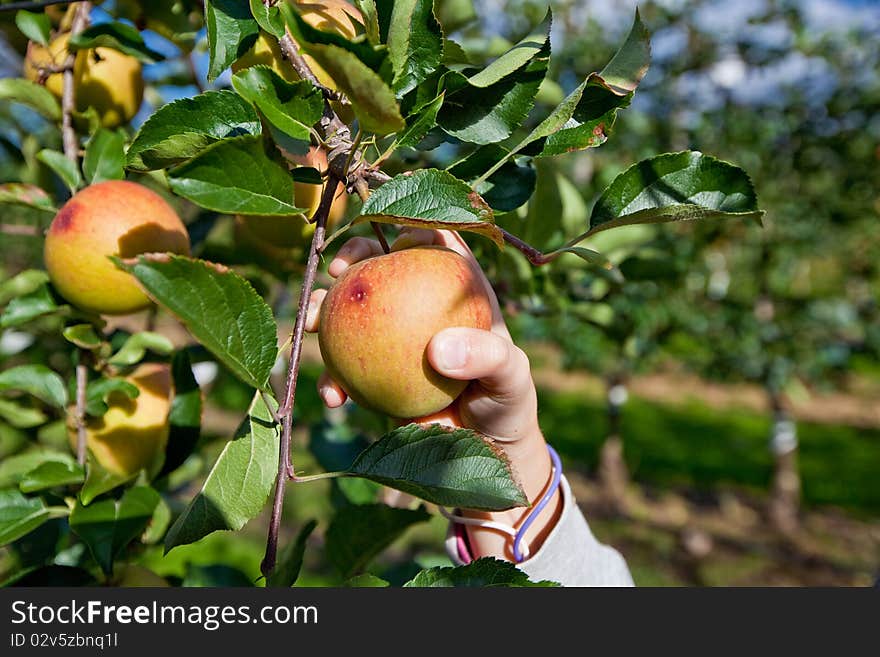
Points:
[133,433]
[104,78]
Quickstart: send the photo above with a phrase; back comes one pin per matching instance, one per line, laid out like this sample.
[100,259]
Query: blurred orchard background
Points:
[718,416]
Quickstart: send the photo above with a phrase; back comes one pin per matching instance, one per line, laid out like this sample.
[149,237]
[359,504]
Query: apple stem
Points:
[68,99]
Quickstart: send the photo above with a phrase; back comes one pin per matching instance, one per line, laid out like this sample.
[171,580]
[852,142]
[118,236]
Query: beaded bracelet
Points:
[520,551]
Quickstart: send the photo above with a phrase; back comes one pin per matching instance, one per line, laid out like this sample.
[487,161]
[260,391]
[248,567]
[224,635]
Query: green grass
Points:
[695,446]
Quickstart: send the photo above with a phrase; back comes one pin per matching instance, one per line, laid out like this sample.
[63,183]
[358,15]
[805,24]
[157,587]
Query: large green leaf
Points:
[432,199]
[485,572]
[181,129]
[292,107]
[232,30]
[37,380]
[119,36]
[420,121]
[22,283]
[268,17]
[105,156]
[19,515]
[14,468]
[19,415]
[26,307]
[238,485]
[415,44]
[681,186]
[108,526]
[449,467]
[373,102]
[34,95]
[291,558]
[219,307]
[237,176]
[358,533]
[487,107]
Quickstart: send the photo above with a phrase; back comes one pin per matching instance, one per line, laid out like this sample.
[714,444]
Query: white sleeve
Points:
[570,555]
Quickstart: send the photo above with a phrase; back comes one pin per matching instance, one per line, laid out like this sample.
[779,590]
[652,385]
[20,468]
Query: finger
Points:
[331,394]
[501,367]
[410,236]
[354,250]
[313,314]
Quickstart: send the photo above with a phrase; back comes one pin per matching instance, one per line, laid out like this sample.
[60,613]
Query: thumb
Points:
[501,367]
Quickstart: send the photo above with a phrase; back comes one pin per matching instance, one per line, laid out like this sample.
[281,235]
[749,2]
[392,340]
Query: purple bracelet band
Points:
[545,499]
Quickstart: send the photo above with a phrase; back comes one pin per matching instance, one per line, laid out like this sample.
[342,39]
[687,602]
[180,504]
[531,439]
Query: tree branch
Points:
[82,379]
[290,50]
[29,6]
[285,412]
[533,255]
[68,93]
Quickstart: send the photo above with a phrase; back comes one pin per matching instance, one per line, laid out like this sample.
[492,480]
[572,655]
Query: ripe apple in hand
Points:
[378,318]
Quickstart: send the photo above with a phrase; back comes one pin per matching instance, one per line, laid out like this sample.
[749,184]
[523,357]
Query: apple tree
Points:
[281,110]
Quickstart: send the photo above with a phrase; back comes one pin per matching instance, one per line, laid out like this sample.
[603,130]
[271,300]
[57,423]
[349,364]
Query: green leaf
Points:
[20,416]
[371,20]
[26,282]
[26,307]
[308,36]
[232,30]
[420,121]
[135,348]
[220,308]
[51,474]
[373,102]
[37,380]
[159,523]
[480,573]
[26,195]
[292,107]
[630,63]
[358,533]
[34,95]
[487,107]
[98,391]
[238,485]
[118,36]
[100,481]
[108,526]
[182,129]
[14,468]
[415,44]
[683,186]
[66,169]
[185,417]
[36,27]
[268,17]
[432,199]
[236,176]
[83,336]
[19,515]
[449,467]
[366,581]
[291,558]
[105,156]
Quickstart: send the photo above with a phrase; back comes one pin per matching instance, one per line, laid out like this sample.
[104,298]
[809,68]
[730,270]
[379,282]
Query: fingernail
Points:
[453,353]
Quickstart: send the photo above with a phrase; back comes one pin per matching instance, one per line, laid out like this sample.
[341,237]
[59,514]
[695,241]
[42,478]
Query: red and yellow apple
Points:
[378,318]
[109,218]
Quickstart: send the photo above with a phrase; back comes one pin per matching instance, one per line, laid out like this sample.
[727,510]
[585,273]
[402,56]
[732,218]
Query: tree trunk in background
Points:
[613,474]
[785,496]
